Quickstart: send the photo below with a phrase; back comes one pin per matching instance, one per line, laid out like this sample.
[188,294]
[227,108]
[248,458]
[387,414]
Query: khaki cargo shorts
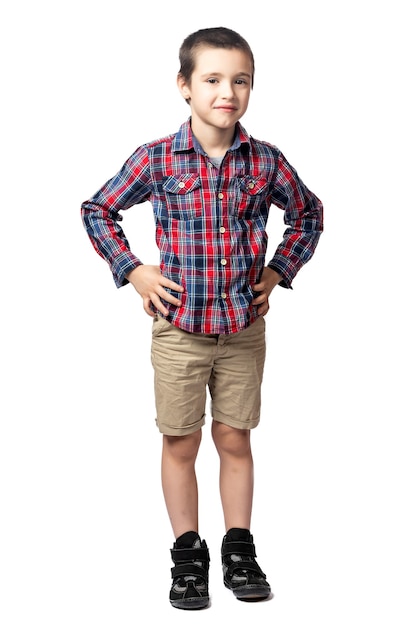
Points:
[186,364]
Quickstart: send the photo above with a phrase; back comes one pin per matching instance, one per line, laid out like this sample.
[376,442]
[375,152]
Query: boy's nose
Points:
[227,91]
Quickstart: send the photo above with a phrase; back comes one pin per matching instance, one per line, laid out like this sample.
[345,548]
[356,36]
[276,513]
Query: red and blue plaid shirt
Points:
[210,224]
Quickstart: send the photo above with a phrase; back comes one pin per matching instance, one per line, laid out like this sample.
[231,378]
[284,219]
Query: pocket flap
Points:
[181,184]
[253,184]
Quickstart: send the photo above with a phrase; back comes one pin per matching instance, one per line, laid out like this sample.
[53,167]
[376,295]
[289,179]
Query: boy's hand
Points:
[151,285]
[269,280]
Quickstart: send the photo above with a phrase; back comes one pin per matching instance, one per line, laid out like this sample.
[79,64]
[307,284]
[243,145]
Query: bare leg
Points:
[236,474]
[179,482]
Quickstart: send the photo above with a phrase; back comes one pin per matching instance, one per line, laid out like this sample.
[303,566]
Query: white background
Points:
[84,533]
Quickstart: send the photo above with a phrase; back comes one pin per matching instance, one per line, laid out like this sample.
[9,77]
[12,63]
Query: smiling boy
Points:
[211,186]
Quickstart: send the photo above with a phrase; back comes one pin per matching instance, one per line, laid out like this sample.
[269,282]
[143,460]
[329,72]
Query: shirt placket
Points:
[223,233]
[220,241]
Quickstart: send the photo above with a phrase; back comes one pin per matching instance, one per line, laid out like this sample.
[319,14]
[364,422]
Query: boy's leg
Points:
[241,572]
[235,387]
[182,364]
[190,554]
[179,481]
[236,474]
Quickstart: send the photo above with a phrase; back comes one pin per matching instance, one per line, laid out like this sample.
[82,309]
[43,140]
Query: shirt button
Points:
[220,196]
[251,185]
[181,185]
[224,295]
[223,262]
[222,229]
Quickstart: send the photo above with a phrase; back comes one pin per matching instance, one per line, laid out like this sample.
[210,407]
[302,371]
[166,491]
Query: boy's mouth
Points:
[225,108]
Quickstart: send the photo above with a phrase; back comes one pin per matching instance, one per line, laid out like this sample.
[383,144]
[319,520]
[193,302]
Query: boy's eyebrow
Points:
[220,74]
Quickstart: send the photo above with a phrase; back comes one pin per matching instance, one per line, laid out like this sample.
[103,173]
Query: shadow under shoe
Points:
[190,575]
[241,572]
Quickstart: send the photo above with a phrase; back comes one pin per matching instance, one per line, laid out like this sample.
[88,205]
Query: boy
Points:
[211,186]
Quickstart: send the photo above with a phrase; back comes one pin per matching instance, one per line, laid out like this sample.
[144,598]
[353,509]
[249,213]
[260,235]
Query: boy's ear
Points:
[183,87]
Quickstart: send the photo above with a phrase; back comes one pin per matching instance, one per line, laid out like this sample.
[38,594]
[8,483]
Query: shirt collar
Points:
[184,140]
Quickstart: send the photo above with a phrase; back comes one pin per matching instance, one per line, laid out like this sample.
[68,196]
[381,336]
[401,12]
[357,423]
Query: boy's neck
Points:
[214,141]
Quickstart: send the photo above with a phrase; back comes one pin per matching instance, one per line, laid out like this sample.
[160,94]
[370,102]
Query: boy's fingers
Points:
[169,297]
[159,306]
[170,283]
[147,306]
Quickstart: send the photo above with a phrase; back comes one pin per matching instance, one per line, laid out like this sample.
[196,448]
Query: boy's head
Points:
[219,37]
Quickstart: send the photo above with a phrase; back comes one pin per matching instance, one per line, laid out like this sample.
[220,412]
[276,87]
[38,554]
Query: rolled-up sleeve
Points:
[303,214]
[101,214]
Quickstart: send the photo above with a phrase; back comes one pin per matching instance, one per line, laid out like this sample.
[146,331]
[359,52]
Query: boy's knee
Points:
[230,440]
[182,446]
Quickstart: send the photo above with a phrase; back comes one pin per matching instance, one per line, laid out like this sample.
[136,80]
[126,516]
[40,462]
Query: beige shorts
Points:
[186,364]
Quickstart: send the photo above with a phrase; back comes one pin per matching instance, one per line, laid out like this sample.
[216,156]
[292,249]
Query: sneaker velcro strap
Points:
[244,565]
[238,547]
[190,554]
[188,569]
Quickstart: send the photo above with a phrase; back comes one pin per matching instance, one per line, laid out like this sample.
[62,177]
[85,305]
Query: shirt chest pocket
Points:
[252,193]
[183,196]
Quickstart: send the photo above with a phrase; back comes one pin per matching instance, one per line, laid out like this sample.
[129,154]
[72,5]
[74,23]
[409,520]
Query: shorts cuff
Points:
[240,425]
[179,431]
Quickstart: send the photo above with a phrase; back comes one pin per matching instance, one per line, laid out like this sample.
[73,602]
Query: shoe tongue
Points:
[238,534]
[190,539]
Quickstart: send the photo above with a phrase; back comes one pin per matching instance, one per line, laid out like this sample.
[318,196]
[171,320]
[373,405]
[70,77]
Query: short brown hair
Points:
[219,37]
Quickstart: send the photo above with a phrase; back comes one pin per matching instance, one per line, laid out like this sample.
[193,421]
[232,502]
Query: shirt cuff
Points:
[286,275]
[123,265]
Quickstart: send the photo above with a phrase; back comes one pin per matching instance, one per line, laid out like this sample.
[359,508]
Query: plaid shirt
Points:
[210,224]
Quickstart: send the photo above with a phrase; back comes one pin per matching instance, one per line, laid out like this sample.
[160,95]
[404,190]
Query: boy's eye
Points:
[238,81]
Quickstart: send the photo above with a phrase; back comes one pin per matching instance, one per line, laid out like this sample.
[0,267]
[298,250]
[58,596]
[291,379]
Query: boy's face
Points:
[220,87]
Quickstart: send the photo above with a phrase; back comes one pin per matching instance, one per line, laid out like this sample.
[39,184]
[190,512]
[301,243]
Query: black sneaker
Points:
[190,573]
[241,572]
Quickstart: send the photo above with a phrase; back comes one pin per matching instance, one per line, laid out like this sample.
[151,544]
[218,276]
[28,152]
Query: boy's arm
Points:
[304,217]
[101,217]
